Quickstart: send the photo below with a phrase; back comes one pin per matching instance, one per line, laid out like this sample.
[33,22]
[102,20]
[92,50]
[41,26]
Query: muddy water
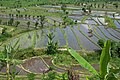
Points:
[35,65]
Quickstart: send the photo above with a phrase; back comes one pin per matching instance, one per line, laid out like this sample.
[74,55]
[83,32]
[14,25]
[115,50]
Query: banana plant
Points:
[51,45]
[106,72]
[7,57]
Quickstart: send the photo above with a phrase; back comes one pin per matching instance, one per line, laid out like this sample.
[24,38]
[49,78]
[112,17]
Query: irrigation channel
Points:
[77,37]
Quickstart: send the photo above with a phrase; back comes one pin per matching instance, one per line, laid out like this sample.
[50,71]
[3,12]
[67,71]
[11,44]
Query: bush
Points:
[4,36]
[101,43]
[110,22]
[115,49]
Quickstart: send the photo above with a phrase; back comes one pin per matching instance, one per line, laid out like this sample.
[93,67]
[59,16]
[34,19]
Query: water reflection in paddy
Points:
[72,35]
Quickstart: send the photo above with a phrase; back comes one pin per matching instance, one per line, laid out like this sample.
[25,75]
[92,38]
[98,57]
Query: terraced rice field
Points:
[77,36]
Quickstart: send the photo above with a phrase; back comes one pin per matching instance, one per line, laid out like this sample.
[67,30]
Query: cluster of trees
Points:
[11,22]
[21,3]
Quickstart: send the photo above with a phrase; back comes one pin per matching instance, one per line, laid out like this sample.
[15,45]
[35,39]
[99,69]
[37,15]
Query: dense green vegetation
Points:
[106,72]
[110,22]
[37,37]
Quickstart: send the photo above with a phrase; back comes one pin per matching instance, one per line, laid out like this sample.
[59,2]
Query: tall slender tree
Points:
[28,24]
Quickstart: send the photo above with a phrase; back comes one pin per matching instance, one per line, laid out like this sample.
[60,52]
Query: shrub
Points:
[5,35]
[101,43]
[110,22]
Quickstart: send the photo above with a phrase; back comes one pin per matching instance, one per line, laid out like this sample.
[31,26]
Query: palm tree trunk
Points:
[8,71]
[8,68]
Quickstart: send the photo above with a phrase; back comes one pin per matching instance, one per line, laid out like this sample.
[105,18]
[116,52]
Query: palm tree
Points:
[33,17]
[16,15]
[42,20]
[9,53]
[36,25]
[63,7]
[54,22]
[29,16]
[21,16]
[17,23]
[28,24]
[11,21]
[18,11]
[103,5]
[10,15]
[116,5]
[25,16]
